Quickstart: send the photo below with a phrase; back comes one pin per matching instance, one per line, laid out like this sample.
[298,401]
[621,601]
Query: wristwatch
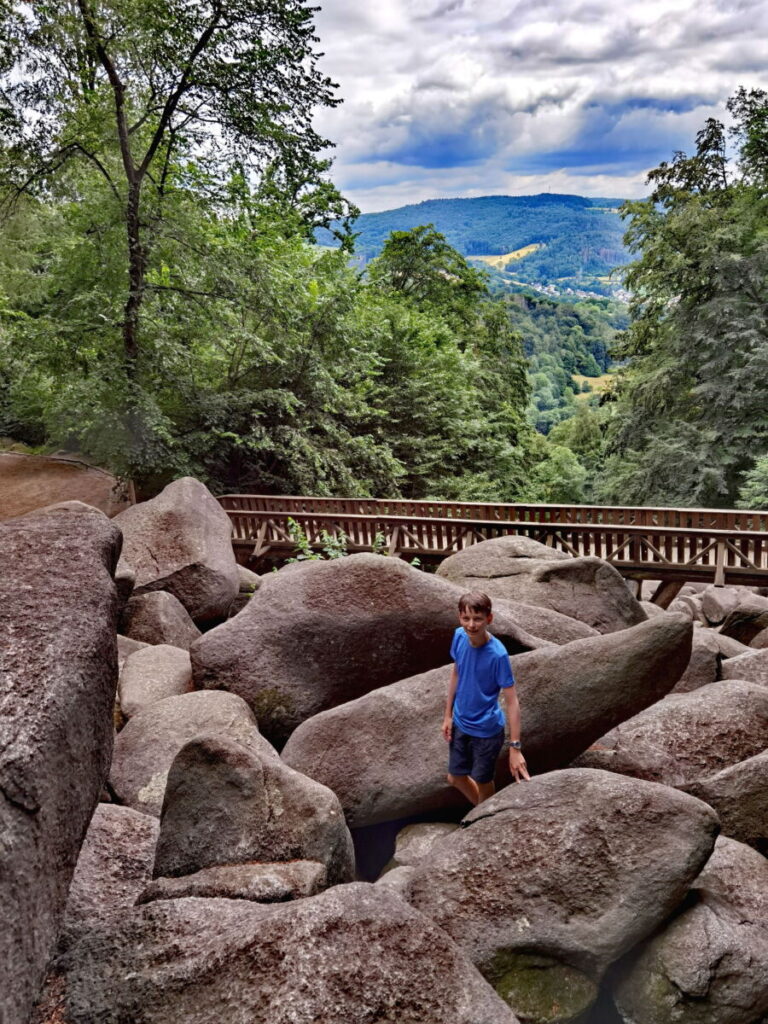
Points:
[513,745]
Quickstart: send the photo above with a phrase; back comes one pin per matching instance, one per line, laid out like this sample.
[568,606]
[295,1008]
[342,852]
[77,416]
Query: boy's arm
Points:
[448,716]
[517,764]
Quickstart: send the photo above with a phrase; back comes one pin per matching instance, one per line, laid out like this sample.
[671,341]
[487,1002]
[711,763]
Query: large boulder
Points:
[151,674]
[114,867]
[58,667]
[688,736]
[718,602]
[752,665]
[181,542]
[709,965]
[384,754]
[351,954]
[586,588]
[748,619]
[556,878]
[739,794]
[226,804]
[324,633]
[709,651]
[146,747]
[158,618]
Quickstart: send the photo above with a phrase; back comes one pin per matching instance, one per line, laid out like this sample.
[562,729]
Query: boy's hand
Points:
[447,729]
[517,765]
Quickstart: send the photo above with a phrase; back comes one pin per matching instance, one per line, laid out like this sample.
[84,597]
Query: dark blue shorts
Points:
[474,755]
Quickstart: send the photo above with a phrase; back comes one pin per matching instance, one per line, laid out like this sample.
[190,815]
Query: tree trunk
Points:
[137,267]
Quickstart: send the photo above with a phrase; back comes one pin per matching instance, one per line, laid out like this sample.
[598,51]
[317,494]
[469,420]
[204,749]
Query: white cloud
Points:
[470,97]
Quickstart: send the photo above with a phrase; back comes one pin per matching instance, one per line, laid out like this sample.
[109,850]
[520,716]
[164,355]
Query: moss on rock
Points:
[540,990]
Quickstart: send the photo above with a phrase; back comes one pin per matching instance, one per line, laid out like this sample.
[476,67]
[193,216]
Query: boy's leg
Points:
[460,765]
[485,753]
[466,786]
[484,790]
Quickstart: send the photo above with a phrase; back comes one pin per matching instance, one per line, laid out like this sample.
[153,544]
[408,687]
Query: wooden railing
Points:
[680,518]
[712,545]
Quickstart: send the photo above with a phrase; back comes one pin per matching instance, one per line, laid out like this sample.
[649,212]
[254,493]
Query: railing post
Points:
[720,564]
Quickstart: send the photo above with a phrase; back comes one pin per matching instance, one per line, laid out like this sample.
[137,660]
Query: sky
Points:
[446,98]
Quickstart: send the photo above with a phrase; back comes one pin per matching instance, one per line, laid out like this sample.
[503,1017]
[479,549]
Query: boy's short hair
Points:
[475,601]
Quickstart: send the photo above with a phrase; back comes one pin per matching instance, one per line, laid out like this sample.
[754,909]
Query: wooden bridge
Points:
[672,545]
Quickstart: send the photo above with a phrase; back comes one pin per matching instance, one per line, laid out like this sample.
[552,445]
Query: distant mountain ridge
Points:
[576,238]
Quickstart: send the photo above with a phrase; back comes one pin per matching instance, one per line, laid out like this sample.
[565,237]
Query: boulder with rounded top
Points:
[748,619]
[587,589]
[751,665]
[146,747]
[228,804]
[688,736]
[709,964]
[158,618]
[739,794]
[181,542]
[569,870]
[152,673]
[709,652]
[324,633]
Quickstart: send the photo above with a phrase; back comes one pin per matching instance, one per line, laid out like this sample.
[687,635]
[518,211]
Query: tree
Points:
[158,96]
[690,413]
[421,265]
[453,376]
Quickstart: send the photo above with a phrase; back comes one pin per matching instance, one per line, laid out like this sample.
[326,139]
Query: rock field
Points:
[190,753]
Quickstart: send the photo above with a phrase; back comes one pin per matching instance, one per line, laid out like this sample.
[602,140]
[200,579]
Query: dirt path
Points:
[28,482]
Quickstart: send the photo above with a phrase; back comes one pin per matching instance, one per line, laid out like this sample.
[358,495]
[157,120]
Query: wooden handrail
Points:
[754,520]
[639,551]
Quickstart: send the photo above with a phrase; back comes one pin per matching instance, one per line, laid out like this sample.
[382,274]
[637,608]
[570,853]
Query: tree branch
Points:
[174,99]
[118,89]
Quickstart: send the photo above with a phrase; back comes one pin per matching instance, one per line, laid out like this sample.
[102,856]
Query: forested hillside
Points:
[570,237]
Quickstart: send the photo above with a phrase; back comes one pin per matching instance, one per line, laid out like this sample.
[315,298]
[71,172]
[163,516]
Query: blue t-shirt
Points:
[483,672]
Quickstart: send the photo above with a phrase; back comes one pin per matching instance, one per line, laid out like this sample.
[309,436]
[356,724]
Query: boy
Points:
[473,723]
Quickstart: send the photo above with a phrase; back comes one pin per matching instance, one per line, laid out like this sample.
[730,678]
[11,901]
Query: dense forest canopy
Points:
[162,308]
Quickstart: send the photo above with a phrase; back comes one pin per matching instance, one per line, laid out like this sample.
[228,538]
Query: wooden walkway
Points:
[673,545]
